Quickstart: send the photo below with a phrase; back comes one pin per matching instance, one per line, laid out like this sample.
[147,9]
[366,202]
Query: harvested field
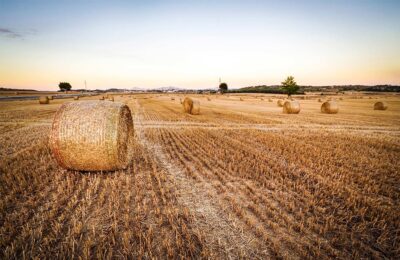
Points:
[239,180]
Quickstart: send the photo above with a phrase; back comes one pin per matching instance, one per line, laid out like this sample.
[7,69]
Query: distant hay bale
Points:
[340,98]
[44,100]
[111,98]
[330,107]
[370,97]
[50,97]
[380,105]
[172,98]
[191,106]
[319,100]
[101,98]
[280,102]
[241,99]
[180,100]
[76,98]
[270,100]
[209,99]
[291,107]
[92,136]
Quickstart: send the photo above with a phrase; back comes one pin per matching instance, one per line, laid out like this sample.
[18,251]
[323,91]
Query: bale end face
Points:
[92,136]
[291,107]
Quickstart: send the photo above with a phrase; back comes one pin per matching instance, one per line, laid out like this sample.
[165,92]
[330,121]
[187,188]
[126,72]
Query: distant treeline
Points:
[262,89]
[14,89]
[276,89]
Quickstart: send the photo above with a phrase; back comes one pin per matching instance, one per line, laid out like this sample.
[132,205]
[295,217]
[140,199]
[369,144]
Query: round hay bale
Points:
[44,100]
[196,107]
[209,99]
[380,105]
[50,97]
[191,106]
[341,98]
[180,100]
[76,98]
[92,136]
[241,99]
[330,107]
[172,98]
[291,107]
[319,100]
[111,98]
[270,100]
[280,102]
[101,98]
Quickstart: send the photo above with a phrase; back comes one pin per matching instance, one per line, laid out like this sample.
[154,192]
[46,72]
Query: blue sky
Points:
[193,43]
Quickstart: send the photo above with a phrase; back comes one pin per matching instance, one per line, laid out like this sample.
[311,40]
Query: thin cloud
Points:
[9,33]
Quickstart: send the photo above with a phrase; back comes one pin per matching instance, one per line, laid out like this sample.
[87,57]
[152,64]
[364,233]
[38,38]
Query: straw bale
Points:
[92,136]
[380,105]
[291,107]
[330,107]
[44,100]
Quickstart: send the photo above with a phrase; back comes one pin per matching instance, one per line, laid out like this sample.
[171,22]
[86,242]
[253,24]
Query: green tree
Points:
[290,86]
[64,86]
[223,87]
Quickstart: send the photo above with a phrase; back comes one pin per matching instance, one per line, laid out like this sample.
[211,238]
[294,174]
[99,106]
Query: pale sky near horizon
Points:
[190,44]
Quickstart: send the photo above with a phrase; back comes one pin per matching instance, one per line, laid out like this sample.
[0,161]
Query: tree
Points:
[223,87]
[64,86]
[290,86]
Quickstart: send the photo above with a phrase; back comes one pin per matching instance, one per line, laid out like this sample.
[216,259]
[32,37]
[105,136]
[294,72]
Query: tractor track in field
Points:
[220,229]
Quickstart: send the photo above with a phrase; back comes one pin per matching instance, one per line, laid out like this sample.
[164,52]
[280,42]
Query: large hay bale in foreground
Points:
[330,107]
[291,107]
[380,105]
[280,102]
[92,136]
[191,106]
[44,100]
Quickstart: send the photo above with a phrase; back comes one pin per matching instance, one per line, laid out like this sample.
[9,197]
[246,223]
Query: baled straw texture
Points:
[92,136]
[291,107]
[44,100]
[196,107]
[191,106]
[380,105]
[76,98]
[187,105]
[50,97]
[280,102]
[330,107]
[111,98]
